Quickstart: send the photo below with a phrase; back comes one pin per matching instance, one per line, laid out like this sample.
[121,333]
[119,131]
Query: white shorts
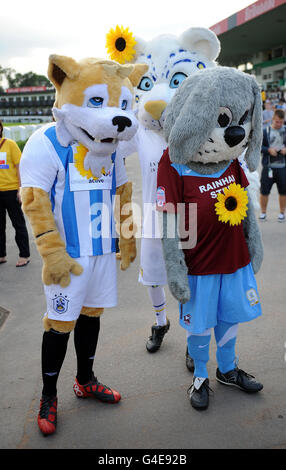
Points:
[152,264]
[95,287]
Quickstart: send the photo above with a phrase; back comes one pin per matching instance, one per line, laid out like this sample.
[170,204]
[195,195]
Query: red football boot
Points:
[95,389]
[47,417]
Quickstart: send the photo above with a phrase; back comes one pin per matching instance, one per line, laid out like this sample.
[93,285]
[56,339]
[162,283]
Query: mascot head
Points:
[170,61]
[94,102]
[218,124]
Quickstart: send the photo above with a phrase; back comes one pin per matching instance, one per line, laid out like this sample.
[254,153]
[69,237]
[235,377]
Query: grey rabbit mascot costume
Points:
[211,241]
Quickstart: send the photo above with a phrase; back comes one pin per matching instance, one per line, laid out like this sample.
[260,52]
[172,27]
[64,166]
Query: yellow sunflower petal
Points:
[220,197]
[79,162]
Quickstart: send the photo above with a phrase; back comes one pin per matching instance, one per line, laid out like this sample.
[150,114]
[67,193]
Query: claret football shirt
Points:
[219,248]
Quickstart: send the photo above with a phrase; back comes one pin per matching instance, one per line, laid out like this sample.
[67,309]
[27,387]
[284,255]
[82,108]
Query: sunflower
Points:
[79,163]
[232,204]
[119,44]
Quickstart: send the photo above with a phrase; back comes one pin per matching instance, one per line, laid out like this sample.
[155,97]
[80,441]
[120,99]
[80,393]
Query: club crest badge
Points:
[60,304]
[187,319]
[161,198]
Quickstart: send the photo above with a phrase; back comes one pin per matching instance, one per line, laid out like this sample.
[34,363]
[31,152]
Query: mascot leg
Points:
[228,373]
[158,299]
[85,339]
[225,335]
[198,348]
[54,347]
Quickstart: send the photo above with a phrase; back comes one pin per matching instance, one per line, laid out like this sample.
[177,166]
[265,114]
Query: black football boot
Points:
[155,340]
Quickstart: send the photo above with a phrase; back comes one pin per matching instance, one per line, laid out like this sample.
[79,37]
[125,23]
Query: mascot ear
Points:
[191,116]
[61,67]
[139,48]
[253,152]
[137,72]
[202,41]
[132,71]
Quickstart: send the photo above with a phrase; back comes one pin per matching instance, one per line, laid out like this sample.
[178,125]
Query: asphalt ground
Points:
[154,412]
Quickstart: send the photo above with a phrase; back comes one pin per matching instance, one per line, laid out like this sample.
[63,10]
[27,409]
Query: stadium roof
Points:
[258,27]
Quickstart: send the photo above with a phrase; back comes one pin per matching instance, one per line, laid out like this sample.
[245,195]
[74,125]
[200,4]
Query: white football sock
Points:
[158,299]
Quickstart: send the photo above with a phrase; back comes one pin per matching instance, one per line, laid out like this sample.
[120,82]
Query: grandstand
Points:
[254,39]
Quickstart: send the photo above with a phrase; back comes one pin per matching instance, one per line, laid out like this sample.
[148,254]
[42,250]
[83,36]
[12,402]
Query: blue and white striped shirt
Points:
[83,217]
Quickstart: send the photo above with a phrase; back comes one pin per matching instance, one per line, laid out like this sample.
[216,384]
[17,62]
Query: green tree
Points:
[6,72]
[16,79]
[27,79]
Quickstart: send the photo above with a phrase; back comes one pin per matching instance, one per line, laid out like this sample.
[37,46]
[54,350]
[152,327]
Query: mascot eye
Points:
[201,65]
[177,79]
[225,117]
[243,118]
[146,84]
[124,104]
[95,102]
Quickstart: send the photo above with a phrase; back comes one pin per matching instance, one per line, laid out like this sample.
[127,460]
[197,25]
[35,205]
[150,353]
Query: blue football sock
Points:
[198,347]
[225,335]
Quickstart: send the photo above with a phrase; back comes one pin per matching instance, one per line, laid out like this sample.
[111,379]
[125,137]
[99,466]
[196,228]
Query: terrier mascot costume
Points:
[170,60]
[70,176]
[202,190]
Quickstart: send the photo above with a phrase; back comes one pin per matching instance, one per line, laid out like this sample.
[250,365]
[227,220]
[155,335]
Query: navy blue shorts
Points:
[266,183]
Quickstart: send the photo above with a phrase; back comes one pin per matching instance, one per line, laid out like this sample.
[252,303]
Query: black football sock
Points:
[85,339]
[54,347]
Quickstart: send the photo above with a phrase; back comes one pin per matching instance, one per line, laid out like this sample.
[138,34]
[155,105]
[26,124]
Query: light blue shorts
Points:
[231,298]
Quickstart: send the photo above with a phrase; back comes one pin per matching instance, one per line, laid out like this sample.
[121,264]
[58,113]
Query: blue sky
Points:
[31,30]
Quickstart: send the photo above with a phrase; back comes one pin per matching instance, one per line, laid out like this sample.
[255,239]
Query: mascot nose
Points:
[234,135]
[121,122]
[155,108]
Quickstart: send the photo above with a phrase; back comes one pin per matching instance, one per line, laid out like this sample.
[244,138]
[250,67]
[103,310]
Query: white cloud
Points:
[32,30]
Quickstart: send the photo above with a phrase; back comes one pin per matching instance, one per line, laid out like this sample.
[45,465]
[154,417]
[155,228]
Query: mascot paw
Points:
[58,267]
[180,292]
[256,263]
[127,253]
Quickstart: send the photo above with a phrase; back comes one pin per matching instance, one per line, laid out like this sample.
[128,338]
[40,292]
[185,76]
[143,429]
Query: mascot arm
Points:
[177,271]
[253,237]
[57,264]
[124,225]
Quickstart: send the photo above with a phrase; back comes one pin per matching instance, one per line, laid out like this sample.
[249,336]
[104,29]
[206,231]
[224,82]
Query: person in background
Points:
[267,114]
[274,145]
[10,202]
[280,104]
